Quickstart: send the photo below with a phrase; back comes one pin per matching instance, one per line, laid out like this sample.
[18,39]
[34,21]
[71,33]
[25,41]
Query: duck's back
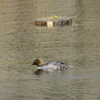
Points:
[53,65]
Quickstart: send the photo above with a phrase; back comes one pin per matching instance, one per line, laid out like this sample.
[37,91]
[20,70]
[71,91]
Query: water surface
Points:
[21,42]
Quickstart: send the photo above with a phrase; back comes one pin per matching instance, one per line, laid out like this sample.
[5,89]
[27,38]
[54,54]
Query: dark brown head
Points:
[38,62]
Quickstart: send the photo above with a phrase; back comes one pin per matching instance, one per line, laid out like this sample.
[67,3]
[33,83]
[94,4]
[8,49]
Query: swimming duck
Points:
[49,66]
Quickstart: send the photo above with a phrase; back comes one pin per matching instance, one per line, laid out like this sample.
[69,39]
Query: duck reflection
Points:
[39,72]
[42,72]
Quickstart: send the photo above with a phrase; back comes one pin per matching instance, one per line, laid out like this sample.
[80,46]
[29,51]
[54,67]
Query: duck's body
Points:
[49,66]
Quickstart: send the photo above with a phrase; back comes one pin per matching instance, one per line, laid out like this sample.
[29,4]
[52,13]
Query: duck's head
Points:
[38,62]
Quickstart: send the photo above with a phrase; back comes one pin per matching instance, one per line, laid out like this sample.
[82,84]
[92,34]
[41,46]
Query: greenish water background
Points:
[21,42]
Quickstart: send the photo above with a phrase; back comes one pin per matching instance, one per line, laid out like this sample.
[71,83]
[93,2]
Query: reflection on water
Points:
[21,42]
[39,72]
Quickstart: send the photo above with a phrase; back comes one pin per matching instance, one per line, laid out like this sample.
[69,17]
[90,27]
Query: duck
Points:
[49,66]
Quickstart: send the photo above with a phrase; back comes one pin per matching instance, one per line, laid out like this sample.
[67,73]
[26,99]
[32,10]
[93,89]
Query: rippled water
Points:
[21,42]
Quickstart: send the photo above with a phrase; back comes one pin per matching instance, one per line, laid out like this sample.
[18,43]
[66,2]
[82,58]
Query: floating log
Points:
[53,21]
